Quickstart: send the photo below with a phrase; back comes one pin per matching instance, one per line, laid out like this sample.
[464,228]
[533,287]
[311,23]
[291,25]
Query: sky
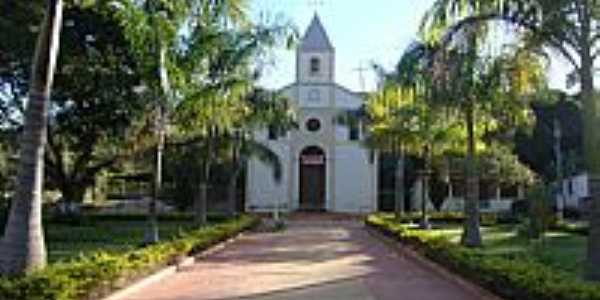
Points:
[362,32]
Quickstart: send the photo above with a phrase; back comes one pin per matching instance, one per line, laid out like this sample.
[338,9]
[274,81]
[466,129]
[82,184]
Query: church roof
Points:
[315,38]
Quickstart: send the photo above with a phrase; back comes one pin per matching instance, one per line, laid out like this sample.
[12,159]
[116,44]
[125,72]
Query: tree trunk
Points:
[200,207]
[424,224]
[233,180]
[399,186]
[72,192]
[152,234]
[22,250]
[591,140]
[200,203]
[232,193]
[471,236]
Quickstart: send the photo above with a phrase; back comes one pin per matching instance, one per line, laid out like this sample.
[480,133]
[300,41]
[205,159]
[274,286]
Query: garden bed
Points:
[93,275]
[513,276]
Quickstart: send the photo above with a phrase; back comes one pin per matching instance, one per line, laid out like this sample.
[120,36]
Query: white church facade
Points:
[325,167]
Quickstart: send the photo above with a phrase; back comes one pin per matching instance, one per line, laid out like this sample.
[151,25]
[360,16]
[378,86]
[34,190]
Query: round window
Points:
[313,125]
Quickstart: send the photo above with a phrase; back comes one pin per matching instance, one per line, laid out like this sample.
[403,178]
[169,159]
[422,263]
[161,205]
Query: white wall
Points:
[344,99]
[354,180]
[575,189]
[326,73]
[490,205]
[307,95]
[263,192]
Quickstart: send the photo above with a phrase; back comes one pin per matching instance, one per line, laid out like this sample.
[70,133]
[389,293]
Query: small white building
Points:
[454,203]
[575,192]
[325,166]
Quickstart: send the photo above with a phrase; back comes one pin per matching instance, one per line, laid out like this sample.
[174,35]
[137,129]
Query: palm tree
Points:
[568,28]
[216,85]
[158,45]
[386,135]
[403,116]
[22,248]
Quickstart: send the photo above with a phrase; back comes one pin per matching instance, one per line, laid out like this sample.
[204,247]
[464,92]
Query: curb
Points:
[169,270]
[424,262]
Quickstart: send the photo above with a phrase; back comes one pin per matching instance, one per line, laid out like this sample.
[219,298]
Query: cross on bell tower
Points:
[361,75]
[316,4]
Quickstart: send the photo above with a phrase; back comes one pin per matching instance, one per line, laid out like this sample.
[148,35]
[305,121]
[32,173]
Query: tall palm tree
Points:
[22,248]
[159,47]
[484,90]
[386,134]
[568,27]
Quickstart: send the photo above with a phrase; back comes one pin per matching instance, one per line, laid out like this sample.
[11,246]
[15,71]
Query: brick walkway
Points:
[325,260]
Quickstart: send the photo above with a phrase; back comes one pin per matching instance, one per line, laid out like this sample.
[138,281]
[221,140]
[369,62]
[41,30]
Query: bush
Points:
[540,213]
[509,277]
[487,219]
[94,275]
[94,218]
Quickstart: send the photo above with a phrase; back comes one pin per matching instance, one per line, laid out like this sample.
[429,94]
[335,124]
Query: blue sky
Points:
[361,31]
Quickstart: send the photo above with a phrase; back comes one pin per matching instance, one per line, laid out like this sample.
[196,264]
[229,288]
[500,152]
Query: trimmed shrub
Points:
[92,276]
[94,218]
[509,277]
[487,219]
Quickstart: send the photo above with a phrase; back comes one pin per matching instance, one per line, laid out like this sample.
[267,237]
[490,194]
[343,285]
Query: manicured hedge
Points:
[94,218]
[92,276]
[508,277]
[459,217]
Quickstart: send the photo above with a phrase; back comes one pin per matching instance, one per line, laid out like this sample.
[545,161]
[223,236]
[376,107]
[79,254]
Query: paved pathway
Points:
[310,260]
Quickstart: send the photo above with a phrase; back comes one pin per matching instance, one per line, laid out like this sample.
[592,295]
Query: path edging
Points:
[457,279]
[168,271]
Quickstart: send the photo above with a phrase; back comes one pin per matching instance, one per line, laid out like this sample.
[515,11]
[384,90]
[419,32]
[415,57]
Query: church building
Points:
[325,167]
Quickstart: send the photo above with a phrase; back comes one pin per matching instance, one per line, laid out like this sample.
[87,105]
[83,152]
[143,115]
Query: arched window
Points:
[315,66]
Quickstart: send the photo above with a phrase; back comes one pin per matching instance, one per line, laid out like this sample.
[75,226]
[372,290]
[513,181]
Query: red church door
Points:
[312,179]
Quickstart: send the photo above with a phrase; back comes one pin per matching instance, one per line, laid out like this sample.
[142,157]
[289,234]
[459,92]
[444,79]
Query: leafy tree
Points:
[566,27]
[151,28]
[486,91]
[97,118]
[405,110]
[88,130]
[216,86]
[569,117]
[22,247]
[387,133]
[170,41]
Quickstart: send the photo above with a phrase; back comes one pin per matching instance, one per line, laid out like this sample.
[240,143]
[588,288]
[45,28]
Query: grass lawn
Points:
[561,250]
[65,241]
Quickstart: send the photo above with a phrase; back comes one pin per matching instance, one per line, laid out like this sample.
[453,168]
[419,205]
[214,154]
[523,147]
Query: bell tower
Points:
[315,56]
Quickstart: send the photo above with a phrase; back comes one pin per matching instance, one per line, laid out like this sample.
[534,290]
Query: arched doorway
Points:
[312,179]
